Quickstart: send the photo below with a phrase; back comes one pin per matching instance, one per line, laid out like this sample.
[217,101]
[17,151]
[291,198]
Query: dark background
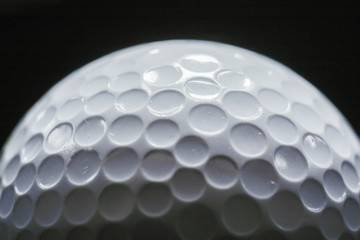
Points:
[41,41]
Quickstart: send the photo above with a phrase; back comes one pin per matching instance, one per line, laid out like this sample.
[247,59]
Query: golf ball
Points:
[181,140]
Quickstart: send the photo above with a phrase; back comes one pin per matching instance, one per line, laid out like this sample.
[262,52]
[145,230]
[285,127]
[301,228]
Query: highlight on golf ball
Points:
[181,140]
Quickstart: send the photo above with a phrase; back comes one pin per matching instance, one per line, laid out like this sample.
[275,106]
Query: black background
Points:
[43,41]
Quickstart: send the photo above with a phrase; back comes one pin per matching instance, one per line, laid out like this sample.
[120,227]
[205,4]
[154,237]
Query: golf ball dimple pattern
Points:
[187,140]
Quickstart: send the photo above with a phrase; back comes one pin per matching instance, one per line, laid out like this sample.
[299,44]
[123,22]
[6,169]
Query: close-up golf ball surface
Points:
[181,140]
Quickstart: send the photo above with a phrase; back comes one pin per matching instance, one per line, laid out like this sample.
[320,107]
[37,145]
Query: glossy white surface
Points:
[181,139]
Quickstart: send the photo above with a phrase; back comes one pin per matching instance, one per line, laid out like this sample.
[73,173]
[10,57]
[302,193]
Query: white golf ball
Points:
[181,139]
